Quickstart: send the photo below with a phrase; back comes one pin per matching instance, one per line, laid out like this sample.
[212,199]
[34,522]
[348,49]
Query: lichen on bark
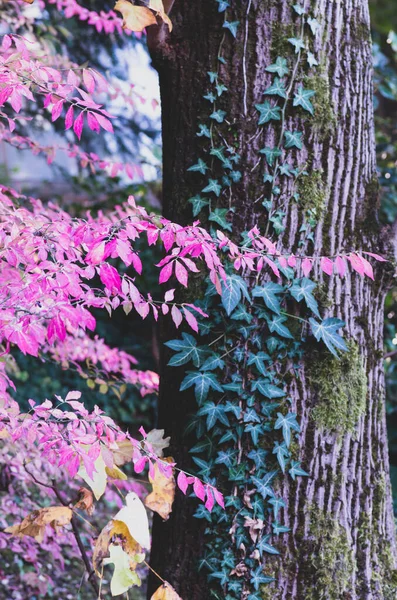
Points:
[341,387]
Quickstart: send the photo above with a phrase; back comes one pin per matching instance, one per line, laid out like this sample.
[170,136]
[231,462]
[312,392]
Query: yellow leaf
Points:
[161,498]
[158,7]
[165,592]
[115,473]
[99,480]
[123,577]
[120,530]
[135,518]
[35,523]
[135,18]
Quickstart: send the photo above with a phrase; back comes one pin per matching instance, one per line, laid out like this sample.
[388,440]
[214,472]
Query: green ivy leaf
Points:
[213,186]
[302,98]
[297,43]
[263,485]
[276,326]
[213,76]
[277,528]
[255,430]
[327,332]
[203,131]
[218,215]
[268,112]
[200,167]
[277,88]
[277,503]
[287,423]
[263,546]
[258,361]
[313,24]
[226,457]
[198,203]
[223,5]
[293,139]
[258,455]
[280,67]
[258,577]
[202,383]
[214,413]
[232,26]
[268,291]
[210,97]
[267,389]
[284,169]
[281,452]
[218,116]
[302,289]
[187,350]
[270,154]
[296,470]
[311,59]
[232,290]
[220,88]
[212,363]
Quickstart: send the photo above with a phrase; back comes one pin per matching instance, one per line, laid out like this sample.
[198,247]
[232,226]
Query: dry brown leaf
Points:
[135,18]
[124,453]
[165,592]
[101,548]
[35,523]
[85,501]
[161,498]
[158,7]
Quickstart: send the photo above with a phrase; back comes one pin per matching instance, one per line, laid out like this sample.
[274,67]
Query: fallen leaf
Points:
[158,7]
[35,523]
[160,500]
[158,442]
[85,501]
[134,516]
[165,592]
[99,480]
[123,576]
[135,18]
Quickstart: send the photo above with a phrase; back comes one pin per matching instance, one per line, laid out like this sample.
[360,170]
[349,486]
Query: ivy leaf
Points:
[212,363]
[277,503]
[297,43]
[203,131]
[187,350]
[311,59]
[327,332]
[263,546]
[276,326]
[213,186]
[302,290]
[218,115]
[220,88]
[302,98]
[284,169]
[276,89]
[270,154]
[213,76]
[296,470]
[268,112]
[255,430]
[226,457]
[263,485]
[280,67]
[202,382]
[313,24]
[287,423]
[241,314]
[218,215]
[258,361]
[232,290]
[268,292]
[293,139]
[223,5]
[277,528]
[198,204]
[258,455]
[214,413]
[281,452]
[267,389]
[219,153]
[299,9]
[232,26]
[257,577]
[210,97]
[200,167]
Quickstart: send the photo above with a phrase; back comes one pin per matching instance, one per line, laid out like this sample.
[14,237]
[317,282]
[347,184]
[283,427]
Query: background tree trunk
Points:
[341,543]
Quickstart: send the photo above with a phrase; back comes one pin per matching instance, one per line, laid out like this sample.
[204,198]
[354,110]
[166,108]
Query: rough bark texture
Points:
[342,541]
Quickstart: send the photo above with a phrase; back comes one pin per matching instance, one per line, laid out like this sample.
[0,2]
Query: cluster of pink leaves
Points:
[69,436]
[25,74]
[108,22]
[110,362]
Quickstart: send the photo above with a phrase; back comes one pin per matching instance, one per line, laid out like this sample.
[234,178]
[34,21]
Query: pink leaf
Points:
[326,265]
[182,482]
[78,125]
[218,498]
[176,315]
[92,122]
[376,256]
[169,295]
[104,123]
[209,504]
[89,81]
[198,488]
[340,266]
[56,110]
[110,277]
[181,273]
[191,319]
[307,266]
[69,117]
[165,273]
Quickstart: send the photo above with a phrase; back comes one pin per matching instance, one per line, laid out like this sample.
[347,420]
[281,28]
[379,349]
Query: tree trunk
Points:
[341,544]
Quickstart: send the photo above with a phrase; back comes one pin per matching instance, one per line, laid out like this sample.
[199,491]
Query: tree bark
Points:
[342,539]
